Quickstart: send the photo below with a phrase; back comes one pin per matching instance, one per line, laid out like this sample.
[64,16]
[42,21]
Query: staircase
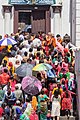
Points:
[65,118]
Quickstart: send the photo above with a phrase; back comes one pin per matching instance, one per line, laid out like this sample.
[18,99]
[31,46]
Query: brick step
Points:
[65,118]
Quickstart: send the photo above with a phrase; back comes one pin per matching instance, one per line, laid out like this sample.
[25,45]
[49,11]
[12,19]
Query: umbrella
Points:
[24,69]
[42,67]
[31,85]
[31,90]
[7,41]
[51,73]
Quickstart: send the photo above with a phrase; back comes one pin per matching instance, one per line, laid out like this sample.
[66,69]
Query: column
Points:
[52,20]
[56,19]
[7,19]
[57,23]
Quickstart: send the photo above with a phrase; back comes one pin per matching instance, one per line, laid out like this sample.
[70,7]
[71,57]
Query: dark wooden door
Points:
[38,21]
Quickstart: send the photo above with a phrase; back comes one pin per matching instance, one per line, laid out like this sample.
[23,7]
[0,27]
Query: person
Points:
[2,92]
[17,109]
[4,78]
[49,115]
[42,105]
[7,112]
[66,104]
[12,83]
[33,115]
[60,90]
[56,99]
[1,111]
[24,105]
[44,89]
[34,103]
[17,63]
[11,68]
[18,93]
[25,57]
[59,39]
[51,39]
[43,110]
[57,68]
[28,109]
[65,64]
[24,117]
[9,97]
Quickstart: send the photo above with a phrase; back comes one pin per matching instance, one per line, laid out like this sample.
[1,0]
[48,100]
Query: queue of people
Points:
[58,94]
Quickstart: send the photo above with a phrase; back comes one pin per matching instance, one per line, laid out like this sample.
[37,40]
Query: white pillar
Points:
[7,10]
[56,19]
[57,23]
[52,20]
[7,24]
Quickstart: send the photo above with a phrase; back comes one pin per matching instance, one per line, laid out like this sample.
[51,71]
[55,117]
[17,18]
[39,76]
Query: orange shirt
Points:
[4,78]
[53,42]
[60,40]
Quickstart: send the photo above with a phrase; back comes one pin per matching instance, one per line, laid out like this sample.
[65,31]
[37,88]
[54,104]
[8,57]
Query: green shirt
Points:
[2,92]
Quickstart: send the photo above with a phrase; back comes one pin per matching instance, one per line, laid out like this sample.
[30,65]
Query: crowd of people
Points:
[58,95]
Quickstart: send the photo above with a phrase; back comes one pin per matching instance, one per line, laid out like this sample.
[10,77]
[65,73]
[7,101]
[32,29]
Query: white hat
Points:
[18,85]
[17,102]
[56,62]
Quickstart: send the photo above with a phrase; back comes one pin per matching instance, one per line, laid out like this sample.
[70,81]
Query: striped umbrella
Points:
[7,41]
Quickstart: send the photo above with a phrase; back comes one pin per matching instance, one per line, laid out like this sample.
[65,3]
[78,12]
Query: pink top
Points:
[33,116]
[65,66]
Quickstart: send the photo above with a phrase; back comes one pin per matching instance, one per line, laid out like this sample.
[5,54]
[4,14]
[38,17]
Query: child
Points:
[49,115]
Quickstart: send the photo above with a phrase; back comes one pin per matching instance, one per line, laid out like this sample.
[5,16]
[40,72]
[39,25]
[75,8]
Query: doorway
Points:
[24,20]
[38,21]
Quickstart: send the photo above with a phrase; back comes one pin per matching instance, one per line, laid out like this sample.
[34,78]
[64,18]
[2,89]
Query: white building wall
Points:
[60,24]
[78,23]
[66,17]
[6,21]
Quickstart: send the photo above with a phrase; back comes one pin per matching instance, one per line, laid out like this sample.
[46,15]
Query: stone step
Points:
[65,118]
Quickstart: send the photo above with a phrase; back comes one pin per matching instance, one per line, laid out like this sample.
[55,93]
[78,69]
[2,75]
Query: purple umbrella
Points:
[31,85]
[31,90]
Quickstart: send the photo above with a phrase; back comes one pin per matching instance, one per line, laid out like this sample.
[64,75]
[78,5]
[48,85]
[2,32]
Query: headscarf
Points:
[34,103]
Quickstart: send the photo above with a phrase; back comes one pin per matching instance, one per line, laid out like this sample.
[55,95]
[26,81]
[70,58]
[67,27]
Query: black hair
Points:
[29,60]
[41,61]
[33,57]
[38,54]
[39,76]
[5,70]
[57,35]
[64,76]
[68,54]
[25,53]
[5,61]
[56,93]
[30,50]
[38,48]
[63,82]
[42,92]
[37,36]
[67,94]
